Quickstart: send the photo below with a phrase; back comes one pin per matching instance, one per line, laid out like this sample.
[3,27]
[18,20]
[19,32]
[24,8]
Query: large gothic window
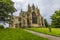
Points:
[34,18]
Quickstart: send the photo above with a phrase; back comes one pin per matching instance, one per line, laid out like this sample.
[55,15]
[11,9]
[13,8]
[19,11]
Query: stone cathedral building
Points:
[28,19]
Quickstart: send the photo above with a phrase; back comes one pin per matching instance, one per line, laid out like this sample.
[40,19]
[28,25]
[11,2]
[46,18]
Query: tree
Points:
[46,23]
[56,19]
[6,10]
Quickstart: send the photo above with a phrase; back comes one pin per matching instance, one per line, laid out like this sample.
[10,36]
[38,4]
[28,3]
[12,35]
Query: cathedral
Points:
[28,19]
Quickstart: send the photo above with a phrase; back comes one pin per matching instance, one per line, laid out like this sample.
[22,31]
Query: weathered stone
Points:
[31,18]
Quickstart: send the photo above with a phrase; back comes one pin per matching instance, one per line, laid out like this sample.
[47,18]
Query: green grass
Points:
[55,31]
[18,34]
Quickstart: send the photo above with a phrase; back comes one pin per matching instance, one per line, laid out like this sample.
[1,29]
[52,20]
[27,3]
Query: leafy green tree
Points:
[46,23]
[6,10]
[56,19]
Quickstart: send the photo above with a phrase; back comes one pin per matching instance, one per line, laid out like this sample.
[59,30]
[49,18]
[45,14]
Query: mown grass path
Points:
[54,32]
[44,35]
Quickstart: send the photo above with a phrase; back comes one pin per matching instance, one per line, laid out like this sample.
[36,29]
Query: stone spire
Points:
[33,6]
[38,11]
[29,7]
[21,10]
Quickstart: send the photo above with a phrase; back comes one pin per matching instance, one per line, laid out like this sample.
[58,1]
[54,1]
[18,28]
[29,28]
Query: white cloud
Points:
[18,0]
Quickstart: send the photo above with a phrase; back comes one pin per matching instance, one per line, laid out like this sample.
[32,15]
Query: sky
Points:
[46,7]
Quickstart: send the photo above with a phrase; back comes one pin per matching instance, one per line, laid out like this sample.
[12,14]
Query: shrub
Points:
[1,26]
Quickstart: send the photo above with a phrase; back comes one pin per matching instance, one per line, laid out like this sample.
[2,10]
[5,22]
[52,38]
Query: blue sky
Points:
[46,7]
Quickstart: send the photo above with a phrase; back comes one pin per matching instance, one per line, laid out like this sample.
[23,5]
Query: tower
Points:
[33,7]
[29,8]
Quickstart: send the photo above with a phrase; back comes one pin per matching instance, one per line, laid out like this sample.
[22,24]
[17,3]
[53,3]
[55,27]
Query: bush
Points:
[7,28]
[1,26]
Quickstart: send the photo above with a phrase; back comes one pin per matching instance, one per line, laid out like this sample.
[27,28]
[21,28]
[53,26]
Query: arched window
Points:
[34,18]
[19,19]
[19,22]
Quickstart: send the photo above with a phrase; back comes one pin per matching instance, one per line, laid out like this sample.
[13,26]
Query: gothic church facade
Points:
[31,18]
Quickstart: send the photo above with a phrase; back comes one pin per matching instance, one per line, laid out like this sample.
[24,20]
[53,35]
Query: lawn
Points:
[55,31]
[18,34]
